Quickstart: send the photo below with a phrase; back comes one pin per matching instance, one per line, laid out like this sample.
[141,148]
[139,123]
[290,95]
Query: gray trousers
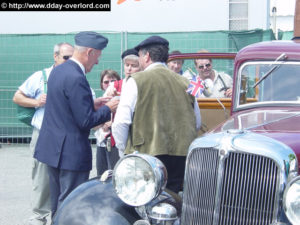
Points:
[40,199]
[62,183]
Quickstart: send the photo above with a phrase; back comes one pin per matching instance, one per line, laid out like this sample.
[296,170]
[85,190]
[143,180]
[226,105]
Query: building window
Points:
[238,14]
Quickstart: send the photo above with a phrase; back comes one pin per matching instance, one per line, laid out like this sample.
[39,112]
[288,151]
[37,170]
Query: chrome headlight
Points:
[139,178]
[291,201]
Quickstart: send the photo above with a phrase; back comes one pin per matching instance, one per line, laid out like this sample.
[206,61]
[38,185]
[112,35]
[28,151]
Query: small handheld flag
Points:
[196,87]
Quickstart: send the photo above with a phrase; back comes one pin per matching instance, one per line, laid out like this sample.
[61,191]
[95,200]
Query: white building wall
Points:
[132,16]
[258,14]
[284,19]
[138,16]
[285,23]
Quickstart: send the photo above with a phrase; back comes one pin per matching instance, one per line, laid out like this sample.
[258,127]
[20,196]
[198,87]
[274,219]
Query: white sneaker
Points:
[36,221]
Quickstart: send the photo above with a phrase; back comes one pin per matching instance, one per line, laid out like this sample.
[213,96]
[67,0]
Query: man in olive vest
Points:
[156,115]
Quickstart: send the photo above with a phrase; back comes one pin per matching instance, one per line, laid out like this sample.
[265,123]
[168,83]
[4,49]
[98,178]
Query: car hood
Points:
[282,125]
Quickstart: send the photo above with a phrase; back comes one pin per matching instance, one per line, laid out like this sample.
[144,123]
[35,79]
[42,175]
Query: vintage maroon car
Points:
[266,97]
[245,171]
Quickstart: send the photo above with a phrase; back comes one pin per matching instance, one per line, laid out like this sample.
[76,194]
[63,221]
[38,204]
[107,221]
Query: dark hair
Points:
[157,53]
[110,74]
[175,52]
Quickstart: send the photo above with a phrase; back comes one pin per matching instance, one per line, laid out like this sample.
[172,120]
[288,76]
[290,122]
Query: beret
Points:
[153,40]
[131,51]
[91,39]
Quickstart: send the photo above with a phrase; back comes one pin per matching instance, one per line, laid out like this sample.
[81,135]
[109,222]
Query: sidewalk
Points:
[15,183]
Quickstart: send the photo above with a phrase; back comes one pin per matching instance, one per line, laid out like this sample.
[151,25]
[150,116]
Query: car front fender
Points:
[94,203]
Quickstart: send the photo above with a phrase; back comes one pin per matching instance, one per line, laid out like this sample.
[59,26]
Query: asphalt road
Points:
[15,183]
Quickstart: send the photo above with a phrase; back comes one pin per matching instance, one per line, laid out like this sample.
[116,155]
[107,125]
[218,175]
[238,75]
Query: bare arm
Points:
[21,99]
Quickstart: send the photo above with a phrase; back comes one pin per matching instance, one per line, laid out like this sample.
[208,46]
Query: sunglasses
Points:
[107,81]
[206,65]
[66,57]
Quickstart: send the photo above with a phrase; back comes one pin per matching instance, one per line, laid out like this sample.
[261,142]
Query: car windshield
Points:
[281,85]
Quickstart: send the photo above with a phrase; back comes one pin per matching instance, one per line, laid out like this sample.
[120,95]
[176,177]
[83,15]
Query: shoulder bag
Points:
[25,114]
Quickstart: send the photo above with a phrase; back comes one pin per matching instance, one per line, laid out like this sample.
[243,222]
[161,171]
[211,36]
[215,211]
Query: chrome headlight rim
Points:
[145,211]
[289,212]
[157,169]
[163,212]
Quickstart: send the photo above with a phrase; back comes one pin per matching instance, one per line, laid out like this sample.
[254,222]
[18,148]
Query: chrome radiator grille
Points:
[237,189]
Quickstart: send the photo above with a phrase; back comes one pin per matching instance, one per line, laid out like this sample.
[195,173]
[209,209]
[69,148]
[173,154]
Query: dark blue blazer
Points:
[69,115]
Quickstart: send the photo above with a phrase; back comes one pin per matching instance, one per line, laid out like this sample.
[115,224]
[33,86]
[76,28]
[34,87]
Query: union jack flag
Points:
[196,87]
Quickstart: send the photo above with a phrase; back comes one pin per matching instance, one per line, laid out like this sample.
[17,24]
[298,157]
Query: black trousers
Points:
[175,167]
[106,160]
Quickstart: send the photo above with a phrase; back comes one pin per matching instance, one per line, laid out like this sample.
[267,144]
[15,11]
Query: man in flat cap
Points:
[156,115]
[70,113]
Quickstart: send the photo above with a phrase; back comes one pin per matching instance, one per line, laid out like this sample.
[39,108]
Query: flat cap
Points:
[153,40]
[130,51]
[91,39]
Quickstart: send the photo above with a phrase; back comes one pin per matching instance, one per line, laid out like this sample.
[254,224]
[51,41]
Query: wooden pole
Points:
[297,20]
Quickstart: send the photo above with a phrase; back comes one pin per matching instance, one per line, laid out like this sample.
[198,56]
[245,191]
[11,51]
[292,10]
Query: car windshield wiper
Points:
[282,57]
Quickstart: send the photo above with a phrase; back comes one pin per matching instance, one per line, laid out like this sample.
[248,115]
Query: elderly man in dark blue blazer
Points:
[70,113]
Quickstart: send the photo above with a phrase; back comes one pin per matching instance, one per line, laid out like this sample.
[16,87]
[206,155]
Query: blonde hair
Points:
[131,57]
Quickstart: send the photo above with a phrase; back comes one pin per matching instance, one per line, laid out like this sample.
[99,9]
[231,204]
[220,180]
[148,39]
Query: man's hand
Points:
[228,93]
[42,100]
[98,102]
[113,104]
[107,126]
[112,91]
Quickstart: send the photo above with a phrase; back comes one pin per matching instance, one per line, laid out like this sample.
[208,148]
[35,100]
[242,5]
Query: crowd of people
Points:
[136,113]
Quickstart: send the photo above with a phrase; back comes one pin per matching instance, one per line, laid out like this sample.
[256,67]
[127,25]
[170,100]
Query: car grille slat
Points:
[202,167]
[247,189]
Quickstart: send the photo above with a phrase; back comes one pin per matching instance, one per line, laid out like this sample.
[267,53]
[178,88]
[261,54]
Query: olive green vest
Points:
[164,120]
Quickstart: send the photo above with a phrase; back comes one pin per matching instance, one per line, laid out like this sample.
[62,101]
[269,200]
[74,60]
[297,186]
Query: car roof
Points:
[269,50]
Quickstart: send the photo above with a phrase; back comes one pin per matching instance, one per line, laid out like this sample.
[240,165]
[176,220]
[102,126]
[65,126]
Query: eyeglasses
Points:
[66,57]
[107,81]
[206,65]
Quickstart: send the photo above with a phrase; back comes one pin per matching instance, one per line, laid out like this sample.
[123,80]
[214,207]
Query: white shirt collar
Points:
[155,64]
[79,64]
